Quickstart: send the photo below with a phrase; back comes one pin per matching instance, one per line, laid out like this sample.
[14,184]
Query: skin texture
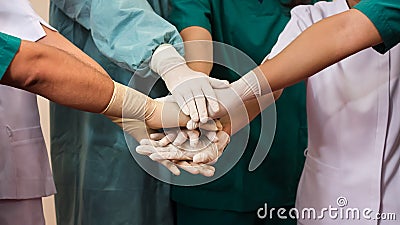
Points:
[320,46]
[55,68]
[58,76]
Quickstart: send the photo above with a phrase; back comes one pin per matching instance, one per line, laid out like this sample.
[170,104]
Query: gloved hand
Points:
[150,147]
[178,136]
[138,130]
[135,105]
[205,152]
[190,89]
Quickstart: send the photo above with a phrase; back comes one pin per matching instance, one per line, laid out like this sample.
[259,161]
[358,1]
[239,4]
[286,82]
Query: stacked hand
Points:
[193,149]
[190,150]
[192,90]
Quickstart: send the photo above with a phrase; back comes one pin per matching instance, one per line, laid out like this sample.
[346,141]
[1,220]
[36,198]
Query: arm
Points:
[58,76]
[320,46]
[63,78]
[198,48]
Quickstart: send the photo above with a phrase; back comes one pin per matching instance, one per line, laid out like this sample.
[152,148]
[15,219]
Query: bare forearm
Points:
[198,48]
[59,76]
[320,46]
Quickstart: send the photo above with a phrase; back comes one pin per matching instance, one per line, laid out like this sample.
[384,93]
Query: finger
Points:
[145,150]
[218,84]
[181,138]
[208,155]
[211,98]
[211,135]
[170,137]
[191,104]
[200,105]
[170,166]
[157,136]
[218,124]
[149,142]
[193,137]
[182,104]
[187,167]
[168,155]
[204,169]
[209,125]
[191,125]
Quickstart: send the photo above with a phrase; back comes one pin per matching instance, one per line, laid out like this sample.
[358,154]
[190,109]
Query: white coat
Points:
[353,110]
[24,165]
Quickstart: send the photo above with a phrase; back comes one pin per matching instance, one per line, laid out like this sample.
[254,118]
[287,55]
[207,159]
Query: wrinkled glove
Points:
[250,86]
[204,152]
[138,130]
[178,136]
[128,103]
[192,90]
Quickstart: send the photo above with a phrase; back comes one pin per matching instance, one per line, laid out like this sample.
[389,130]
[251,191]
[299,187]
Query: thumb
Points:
[218,84]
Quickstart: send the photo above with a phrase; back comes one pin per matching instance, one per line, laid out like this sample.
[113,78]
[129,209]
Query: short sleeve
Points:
[187,13]
[9,46]
[385,15]
[299,21]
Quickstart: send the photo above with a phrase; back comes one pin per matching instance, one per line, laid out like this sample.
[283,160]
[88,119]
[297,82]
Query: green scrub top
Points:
[385,15]
[253,27]
[9,46]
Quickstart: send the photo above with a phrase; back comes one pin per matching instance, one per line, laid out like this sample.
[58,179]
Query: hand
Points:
[191,90]
[150,147]
[204,152]
[138,130]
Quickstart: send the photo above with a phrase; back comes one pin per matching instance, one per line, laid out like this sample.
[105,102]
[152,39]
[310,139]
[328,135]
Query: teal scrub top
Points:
[9,46]
[253,27]
[385,15]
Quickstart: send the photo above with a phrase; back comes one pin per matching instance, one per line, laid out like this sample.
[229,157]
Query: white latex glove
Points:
[192,90]
[149,148]
[135,105]
[205,152]
[138,130]
[176,136]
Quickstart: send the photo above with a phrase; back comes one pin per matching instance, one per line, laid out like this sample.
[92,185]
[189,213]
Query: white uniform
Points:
[353,110]
[25,174]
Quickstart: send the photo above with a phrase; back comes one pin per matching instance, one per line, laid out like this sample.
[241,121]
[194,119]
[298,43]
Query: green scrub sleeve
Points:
[9,46]
[385,15]
[187,13]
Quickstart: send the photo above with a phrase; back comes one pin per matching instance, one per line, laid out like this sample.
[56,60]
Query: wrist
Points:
[114,107]
[165,58]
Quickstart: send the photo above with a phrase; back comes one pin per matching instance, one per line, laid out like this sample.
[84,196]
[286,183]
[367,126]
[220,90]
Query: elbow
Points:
[35,72]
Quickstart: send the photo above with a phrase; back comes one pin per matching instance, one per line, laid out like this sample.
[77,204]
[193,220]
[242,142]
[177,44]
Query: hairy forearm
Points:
[59,76]
[321,45]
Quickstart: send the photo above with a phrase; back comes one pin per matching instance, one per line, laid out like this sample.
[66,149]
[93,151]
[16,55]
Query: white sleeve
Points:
[300,20]
[17,18]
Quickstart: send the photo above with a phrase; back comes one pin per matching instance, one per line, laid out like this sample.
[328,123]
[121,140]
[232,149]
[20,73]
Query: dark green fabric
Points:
[9,46]
[252,26]
[385,15]
[187,215]
[97,179]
